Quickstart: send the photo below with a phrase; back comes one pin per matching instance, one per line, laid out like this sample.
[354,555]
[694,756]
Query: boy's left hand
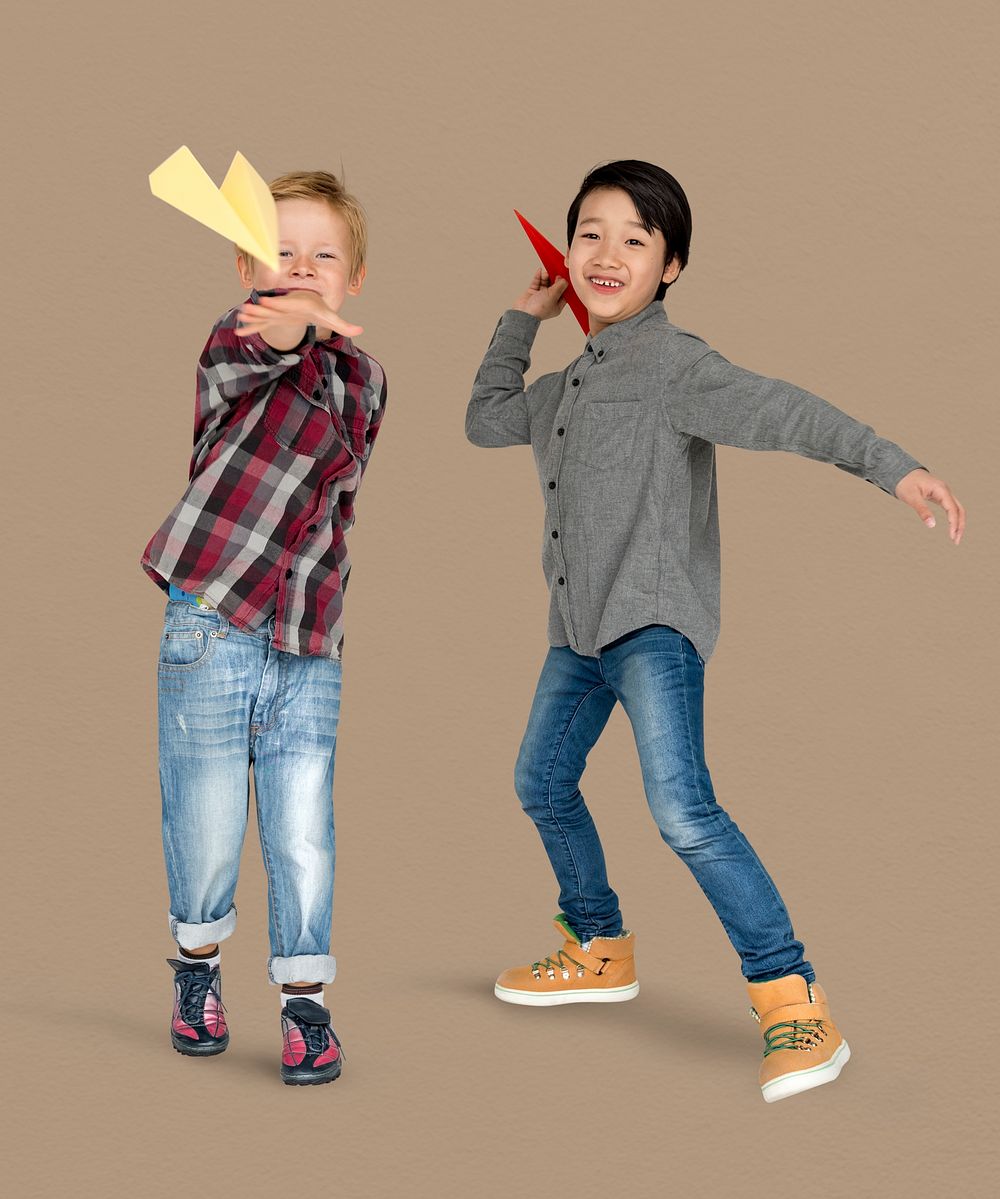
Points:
[920,485]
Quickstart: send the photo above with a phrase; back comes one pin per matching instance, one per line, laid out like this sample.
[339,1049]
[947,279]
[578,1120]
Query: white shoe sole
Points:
[543,999]
[804,1080]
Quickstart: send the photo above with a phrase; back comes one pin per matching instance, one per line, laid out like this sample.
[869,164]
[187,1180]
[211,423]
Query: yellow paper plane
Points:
[242,209]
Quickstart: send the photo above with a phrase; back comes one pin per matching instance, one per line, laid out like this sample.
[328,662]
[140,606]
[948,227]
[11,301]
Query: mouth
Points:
[604,284]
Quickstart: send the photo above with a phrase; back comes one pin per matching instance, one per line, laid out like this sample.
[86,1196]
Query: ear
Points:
[244,269]
[355,284]
[672,270]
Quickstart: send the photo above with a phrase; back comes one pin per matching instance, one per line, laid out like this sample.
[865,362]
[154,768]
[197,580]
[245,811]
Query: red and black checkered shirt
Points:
[281,442]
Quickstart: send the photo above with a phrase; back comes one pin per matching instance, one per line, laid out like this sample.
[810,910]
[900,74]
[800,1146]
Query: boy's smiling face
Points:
[313,253]
[615,265]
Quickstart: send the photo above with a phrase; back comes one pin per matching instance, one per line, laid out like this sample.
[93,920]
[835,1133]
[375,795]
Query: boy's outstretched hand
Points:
[282,320]
[920,485]
[541,299]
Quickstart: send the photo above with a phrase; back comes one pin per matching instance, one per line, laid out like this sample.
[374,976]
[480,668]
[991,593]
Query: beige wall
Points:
[844,184]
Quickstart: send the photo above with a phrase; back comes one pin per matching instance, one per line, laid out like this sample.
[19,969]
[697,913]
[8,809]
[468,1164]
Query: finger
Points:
[948,503]
[561,282]
[925,514]
[347,329]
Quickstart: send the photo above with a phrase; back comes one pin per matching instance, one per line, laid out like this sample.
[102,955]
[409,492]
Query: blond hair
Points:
[321,185]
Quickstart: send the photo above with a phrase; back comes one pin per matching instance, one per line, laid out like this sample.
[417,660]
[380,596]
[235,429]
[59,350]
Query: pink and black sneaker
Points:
[311,1053]
[198,1027]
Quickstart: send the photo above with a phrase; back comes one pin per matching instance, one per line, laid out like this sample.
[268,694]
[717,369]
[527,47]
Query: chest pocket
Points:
[603,434]
[298,425]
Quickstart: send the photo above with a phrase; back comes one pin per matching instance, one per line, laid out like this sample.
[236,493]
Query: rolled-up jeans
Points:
[228,702]
[658,677]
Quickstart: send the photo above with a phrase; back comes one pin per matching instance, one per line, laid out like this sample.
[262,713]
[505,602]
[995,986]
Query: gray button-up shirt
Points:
[624,441]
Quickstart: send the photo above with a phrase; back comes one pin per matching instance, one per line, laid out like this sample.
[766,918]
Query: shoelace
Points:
[794,1034]
[314,1035]
[552,964]
[194,989]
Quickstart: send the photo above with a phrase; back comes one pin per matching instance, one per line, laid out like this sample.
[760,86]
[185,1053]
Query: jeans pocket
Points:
[183,648]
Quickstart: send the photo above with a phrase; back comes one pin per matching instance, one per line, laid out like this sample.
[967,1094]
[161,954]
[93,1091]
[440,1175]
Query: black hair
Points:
[658,198]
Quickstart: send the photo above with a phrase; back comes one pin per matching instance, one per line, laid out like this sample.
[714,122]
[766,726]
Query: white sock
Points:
[211,962]
[316,998]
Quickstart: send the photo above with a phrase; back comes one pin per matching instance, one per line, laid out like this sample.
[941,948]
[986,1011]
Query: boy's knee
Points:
[527,780]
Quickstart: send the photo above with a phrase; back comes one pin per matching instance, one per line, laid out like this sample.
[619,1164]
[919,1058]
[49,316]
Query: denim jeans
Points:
[658,676]
[229,701]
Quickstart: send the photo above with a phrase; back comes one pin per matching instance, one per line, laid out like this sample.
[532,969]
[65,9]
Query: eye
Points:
[588,234]
[637,241]
[282,253]
[324,254]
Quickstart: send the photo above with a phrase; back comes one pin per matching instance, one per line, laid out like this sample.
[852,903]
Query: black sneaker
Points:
[311,1053]
[198,1027]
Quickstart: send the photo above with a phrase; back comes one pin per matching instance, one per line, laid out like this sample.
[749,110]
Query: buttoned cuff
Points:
[517,324]
[896,467]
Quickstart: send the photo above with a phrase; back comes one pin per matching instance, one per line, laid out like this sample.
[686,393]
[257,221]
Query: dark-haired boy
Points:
[624,442]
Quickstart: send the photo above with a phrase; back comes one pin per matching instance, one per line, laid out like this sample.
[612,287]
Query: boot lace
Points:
[315,1035]
[562,963]
[193,990]
[794,1034]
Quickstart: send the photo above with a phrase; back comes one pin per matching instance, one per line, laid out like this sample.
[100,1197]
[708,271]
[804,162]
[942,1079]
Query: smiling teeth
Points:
[605,283]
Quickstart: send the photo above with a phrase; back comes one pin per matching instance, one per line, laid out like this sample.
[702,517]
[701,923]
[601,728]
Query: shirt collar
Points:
[612,335]
[336,341]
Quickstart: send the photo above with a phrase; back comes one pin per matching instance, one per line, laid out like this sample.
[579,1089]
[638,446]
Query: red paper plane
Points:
[552,260]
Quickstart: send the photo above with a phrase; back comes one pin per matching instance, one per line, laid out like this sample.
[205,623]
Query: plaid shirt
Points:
[281,442]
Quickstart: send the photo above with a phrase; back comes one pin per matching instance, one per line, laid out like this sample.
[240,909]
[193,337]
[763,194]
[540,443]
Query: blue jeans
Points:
[229,701]
[658,676]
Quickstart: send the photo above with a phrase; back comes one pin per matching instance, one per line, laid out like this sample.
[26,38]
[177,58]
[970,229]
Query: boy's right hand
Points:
[542,299]
[286,317]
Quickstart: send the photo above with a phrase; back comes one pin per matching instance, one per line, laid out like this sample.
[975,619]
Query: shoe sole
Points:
[309,1080]
[544,999]
[205,1049]
[804,1080]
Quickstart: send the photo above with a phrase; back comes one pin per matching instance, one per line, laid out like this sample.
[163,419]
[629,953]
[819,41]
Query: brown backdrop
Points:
[840,165]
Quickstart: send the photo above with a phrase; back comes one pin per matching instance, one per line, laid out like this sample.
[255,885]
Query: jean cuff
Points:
[306,968]
[194,936]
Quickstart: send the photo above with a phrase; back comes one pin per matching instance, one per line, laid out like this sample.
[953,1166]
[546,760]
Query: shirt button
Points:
[561,581]
[555,532]
[317,394]
[311,529]
[551,486]
[576,382]
[288,574]
[560,431]
[600,353]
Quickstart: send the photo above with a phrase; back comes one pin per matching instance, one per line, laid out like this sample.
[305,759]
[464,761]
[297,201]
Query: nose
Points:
[607,257]
[301,267]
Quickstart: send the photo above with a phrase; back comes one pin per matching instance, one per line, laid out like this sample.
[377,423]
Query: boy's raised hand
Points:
[541,299]
[920,485]
[283,315]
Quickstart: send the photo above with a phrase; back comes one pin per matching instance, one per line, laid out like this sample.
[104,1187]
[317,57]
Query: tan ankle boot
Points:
[602,973]
[802,1047]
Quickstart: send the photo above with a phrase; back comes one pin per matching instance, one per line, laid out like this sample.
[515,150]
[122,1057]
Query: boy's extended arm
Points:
[231,367]
[497,414]
[728,405]
[725,404]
